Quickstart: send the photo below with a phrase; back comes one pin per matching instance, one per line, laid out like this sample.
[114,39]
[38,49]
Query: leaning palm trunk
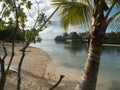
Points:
[89,77]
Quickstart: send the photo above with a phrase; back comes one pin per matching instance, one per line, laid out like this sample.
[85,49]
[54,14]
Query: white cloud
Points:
[55,27]
[30,22]
[32,13]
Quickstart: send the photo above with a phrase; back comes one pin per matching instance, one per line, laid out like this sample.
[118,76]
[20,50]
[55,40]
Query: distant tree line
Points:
[20,36]
[110,38]
[61,38]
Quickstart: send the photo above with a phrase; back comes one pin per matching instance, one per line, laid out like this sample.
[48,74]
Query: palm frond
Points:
[115,24]
[112,1]
[73,12]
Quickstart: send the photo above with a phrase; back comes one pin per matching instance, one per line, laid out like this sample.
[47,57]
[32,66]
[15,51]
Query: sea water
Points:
[72,57]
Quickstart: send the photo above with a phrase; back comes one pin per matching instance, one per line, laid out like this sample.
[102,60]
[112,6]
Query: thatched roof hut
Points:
[73,37]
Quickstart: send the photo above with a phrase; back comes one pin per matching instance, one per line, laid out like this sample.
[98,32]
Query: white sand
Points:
[38,71]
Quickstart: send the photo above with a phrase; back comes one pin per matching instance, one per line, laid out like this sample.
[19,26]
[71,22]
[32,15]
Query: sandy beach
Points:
[38,71]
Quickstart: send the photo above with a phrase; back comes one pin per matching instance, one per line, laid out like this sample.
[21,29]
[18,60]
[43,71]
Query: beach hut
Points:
[72,37]
[85,38]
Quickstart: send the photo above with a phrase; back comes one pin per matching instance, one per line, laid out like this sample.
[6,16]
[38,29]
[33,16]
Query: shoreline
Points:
[35,68]
[111,45]
[53,71]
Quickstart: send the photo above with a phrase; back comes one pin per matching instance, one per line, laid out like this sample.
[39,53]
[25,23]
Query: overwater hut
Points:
[72,37]
[85,38]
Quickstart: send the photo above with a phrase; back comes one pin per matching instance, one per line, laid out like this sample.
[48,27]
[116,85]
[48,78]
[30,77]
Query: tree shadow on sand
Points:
[41,83]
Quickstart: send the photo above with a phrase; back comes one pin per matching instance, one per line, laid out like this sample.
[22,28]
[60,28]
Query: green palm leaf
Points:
[73,13]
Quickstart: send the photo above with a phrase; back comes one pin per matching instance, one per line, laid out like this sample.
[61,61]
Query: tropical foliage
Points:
[12,28]
[61,38]
[8,20]
[13,20]
[110,38]
[5,35]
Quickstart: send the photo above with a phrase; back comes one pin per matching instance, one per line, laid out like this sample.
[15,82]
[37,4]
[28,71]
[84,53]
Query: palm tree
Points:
[96,15]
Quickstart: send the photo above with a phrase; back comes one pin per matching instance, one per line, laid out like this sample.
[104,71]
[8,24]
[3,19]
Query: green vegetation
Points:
[110,38]
[20,36]
[35,36]
[13,20]
[12,29]
[10,73]
[8,21]
[61,38]
[5,35]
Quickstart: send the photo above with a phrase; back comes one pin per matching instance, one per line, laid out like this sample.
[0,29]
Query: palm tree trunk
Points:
[89,76]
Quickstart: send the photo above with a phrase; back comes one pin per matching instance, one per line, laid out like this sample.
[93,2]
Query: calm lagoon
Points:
[73,57]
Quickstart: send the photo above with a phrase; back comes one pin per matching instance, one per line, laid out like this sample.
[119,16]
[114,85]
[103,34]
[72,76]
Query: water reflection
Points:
[76,48]
[74,56]
[79,47]
[111,49]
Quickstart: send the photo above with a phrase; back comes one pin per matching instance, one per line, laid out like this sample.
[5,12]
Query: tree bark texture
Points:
[59,81]
[89,77]
[90,73]
[2,74]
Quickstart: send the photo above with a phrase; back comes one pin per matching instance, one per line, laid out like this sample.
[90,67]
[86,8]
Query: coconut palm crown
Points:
[82,11]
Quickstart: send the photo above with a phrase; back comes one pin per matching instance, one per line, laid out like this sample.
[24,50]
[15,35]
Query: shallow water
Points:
[72,58]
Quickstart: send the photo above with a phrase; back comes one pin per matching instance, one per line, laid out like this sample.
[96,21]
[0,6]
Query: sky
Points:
[55,27]
[52,29]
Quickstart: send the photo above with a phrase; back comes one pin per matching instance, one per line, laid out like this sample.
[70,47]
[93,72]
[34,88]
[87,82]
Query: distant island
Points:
[73,37]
